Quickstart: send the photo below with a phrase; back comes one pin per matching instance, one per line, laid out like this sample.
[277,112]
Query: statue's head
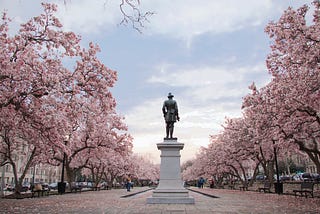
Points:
[170,95]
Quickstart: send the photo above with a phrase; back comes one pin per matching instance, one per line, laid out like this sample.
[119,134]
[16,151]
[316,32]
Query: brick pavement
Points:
[111,202]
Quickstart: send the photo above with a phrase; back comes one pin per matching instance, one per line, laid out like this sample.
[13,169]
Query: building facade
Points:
[41,173]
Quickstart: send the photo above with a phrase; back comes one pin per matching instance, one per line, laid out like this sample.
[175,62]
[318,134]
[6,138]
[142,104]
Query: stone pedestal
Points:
[170,189]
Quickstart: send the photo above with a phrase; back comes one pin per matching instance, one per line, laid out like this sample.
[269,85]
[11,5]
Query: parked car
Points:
[45,186]
[297,177]
[307,176]
[285,178]
[261,177]
[10,187]
[53,186]
[316,177]
[85,184]
[25,187]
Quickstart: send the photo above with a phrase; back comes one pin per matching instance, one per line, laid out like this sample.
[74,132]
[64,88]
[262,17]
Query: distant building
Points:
[40,173]
[44,173]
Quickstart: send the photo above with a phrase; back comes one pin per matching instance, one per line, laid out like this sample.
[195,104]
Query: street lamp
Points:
[62,184]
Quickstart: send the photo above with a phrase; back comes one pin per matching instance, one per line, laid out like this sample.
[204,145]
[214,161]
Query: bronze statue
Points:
[170,113]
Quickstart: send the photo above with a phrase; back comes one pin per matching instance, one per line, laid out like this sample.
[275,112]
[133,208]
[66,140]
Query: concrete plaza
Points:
[118,201]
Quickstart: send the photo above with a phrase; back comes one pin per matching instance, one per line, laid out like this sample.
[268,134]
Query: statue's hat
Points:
[170,95]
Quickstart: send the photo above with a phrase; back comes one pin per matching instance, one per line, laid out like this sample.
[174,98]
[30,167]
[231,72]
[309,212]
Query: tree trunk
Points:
[70,174]
[255,173]
[17,188]
[315,159]
[270,170]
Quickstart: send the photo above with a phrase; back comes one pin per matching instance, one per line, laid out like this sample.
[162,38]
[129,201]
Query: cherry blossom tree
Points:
[43,96]
[202,166]
[96,144]
[261,116]
[239,149]
[192,170]
[282,117]
[294,64]
[143,170]
[31,69]
[116,169]
[109,165]
[187,170]
[223,158]
[98,163]
[17,137]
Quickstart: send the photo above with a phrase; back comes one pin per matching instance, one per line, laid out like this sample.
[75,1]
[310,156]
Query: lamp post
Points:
[62,184]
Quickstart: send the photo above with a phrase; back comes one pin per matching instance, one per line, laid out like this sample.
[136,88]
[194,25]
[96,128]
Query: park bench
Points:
[244,187]
[220,186]
[266,187]
[39,191]
[42,192]
[107,187]
[75,188]
[231,185]
[306,188]
[96,187]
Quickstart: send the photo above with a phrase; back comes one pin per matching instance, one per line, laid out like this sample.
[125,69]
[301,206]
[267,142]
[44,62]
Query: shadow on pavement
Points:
[136,193]
[202,193]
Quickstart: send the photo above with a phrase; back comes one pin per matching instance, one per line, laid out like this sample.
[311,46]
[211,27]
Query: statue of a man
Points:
[170,113]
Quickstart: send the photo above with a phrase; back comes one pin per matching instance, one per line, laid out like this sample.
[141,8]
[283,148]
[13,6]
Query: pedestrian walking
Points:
[128,183]
[201,182]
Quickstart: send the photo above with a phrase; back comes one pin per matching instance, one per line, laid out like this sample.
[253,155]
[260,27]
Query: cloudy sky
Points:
[205,52]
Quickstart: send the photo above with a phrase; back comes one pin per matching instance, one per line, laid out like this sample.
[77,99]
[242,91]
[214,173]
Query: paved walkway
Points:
[113,202]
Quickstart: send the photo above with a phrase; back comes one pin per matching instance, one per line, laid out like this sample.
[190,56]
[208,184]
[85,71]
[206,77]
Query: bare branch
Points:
[137,19]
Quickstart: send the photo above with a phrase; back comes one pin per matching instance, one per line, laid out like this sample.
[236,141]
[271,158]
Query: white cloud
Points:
[188,18]
[19,12]
[182,19]
[80,16]
[208,82]
[89,17]
[145,116]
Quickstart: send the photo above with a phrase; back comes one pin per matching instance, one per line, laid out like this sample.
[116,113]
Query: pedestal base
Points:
[159,200]
[170,189]
[170,196]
